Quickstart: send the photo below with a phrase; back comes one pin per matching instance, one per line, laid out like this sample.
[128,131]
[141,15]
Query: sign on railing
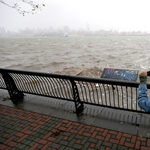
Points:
[120,74]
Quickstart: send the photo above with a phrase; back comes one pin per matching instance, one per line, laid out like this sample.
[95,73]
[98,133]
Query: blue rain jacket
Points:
[143,100]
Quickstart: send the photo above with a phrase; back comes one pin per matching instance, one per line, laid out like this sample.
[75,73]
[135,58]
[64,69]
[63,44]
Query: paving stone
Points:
[36,139]
[107,144]
[99,133]
[26,148]
[69,148]
[17,128]
[27,142]
[49,148]
[79,137]
[13,133]
[40,146]
[143,143]
[18,145]
[63,142]
[84,140]
[87,130]
[114,147]
[25,122]
[59,139]
[31,128]
[41,135]
[31,144]
[122,148]
[10,131]
[30,137]
[91,149]
[17,123]
[92,140]
[113,136]
[71,137]
[67,133]
[86,145]
[45,132]
[1,124]
[72,142]
[102,148]
[77,146]
[130,149]
[62,148]
[55,145]
[43,127]
[14,148]
[50,128]
[43,119]
[16,139]
[36,134]
[41,131]
[63,125]
[8,126]
[22,146]
[2,139]
[128,140]
[98,144]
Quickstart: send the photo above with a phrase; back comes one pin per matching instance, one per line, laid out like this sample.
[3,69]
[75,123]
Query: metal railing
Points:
[94,91]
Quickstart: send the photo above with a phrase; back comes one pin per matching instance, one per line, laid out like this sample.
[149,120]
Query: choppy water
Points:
[55,53]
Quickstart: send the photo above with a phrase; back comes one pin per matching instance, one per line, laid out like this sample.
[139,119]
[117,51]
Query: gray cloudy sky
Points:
[123,15]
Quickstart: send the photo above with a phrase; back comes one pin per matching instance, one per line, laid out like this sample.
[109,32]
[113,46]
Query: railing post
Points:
[78,103]
[14,93]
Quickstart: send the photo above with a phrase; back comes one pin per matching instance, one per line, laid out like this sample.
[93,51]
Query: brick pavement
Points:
[21,129]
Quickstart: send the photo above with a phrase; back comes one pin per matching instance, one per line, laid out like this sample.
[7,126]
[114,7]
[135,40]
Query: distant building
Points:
[2,32]
[87,28]
[66,30]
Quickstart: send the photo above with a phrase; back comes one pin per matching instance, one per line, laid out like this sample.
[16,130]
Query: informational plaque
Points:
[120,74]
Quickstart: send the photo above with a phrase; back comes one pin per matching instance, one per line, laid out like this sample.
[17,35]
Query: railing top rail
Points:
[78,78]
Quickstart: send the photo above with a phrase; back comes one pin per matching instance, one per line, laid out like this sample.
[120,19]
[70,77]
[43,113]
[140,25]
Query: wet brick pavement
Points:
[26,130]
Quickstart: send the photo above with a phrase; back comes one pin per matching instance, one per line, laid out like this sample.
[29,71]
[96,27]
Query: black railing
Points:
[95,91]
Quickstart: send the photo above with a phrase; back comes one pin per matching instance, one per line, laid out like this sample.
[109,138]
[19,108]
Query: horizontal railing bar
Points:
[34,73]
[78,78]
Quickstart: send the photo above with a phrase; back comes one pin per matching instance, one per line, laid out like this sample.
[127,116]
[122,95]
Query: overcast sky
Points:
[122,15]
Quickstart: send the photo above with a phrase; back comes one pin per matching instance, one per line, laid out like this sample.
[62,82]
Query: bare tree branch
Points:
[34,6]
[1,1]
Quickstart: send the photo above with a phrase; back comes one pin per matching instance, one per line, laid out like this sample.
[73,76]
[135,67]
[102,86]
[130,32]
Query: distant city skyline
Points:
[86,28]
[123,16]
[66,31]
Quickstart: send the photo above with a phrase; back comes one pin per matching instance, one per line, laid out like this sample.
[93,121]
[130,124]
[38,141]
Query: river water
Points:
[84,56]
[54,54]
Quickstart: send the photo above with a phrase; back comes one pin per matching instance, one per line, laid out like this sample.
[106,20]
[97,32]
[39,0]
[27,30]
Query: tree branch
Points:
[34,6]
[1,1]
